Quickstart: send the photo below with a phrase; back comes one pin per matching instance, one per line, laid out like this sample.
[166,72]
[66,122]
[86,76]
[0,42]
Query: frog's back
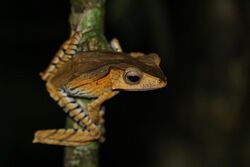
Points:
[91,65]
[95,65]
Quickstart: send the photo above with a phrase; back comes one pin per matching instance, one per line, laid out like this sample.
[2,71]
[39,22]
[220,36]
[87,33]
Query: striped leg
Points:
[67,51]
[74,110]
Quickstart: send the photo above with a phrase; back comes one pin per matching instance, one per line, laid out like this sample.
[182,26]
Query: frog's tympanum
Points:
[96,75]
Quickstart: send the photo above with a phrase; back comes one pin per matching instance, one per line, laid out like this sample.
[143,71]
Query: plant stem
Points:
[86,16]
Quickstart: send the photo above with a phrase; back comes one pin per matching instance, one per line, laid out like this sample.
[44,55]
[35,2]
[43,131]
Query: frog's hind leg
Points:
[66,52]
[69,137]
[115,45]
[73,109]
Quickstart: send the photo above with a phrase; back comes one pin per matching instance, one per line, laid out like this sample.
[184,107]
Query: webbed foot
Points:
[65,137]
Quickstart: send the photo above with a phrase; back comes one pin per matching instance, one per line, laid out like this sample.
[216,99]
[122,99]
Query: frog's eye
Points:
[132,75]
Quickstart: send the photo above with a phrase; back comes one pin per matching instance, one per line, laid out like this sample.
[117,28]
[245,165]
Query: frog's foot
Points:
[65,137]
[115,45]
[101,125]
[101,114]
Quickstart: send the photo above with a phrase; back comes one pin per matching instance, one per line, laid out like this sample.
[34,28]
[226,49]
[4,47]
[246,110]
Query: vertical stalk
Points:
[86,16]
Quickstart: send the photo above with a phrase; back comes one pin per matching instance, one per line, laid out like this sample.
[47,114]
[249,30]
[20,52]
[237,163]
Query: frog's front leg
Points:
[95,109]
[94,105]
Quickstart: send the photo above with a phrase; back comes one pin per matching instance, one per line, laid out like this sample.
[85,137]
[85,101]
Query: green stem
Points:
[86,16]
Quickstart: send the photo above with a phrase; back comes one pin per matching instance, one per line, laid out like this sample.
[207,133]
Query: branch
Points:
[86,16]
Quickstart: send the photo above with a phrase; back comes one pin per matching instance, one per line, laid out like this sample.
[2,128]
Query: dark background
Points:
[201,119]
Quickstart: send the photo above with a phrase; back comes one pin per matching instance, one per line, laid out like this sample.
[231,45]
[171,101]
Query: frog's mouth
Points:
[158,86]
[138,90]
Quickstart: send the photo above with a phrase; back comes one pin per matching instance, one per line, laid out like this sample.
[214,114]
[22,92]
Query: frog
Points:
[97,76]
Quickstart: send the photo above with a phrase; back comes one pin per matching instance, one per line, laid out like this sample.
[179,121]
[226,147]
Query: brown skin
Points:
[98,75]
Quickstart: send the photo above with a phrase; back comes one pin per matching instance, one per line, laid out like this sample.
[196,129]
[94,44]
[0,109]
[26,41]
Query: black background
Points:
[201,117]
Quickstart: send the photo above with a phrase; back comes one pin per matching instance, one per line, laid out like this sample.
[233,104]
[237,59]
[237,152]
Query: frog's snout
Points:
[162,83]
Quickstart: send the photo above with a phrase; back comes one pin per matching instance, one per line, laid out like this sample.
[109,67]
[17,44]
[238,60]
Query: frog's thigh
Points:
[65,137]
[115,44]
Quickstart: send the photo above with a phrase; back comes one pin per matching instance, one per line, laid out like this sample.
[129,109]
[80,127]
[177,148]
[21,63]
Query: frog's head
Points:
[142,73]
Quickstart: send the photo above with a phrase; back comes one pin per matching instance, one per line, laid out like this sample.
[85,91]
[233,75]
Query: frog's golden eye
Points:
[132,75]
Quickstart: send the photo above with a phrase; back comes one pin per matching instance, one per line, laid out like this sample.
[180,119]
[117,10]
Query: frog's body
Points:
[95,75]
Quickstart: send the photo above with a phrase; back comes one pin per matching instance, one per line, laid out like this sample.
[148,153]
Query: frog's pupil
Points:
[133,78]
